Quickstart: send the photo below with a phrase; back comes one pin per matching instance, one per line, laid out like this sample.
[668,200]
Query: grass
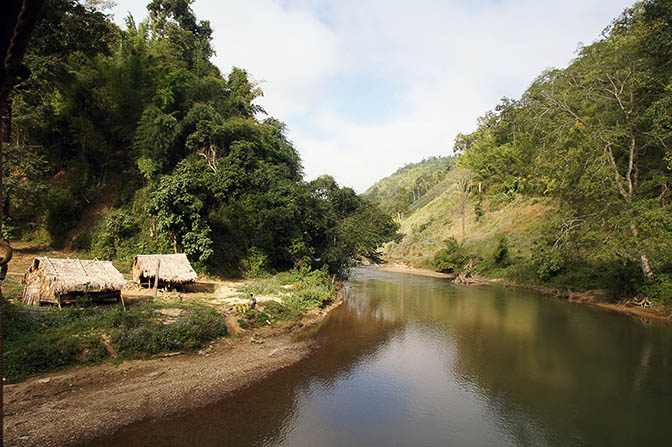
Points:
[300,289]
[37,339]
[40,339]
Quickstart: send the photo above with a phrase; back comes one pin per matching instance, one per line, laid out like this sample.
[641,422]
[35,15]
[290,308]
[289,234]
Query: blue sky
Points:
[366,86]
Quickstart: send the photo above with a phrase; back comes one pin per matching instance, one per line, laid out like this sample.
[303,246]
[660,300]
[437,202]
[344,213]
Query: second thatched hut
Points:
[175,271]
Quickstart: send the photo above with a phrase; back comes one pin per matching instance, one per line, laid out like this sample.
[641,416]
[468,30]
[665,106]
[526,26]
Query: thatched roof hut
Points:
[51,280]
[173,270]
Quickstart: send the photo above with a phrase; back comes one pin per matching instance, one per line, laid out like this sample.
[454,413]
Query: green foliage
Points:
[154,140]
[36,340]
[409,184]
[82,242]
[24,182]
[256,263]
[140,337]
[179,204]
[49,352]
[478,208]
[658,289]
[61,217]
[549,256]
[451,258]
[141,123]
[302,288]
[500,255]
[594,137]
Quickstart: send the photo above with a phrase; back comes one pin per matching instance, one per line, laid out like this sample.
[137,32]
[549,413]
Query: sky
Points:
[367,86]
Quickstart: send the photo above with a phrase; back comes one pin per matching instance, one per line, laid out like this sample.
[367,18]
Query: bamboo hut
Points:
[51,280]
[175,271]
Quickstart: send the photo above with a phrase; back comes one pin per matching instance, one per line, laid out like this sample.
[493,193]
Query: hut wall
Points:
[37,289]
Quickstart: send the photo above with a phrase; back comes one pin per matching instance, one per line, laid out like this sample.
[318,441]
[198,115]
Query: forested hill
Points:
[127,141]
[408,184]
[571,184]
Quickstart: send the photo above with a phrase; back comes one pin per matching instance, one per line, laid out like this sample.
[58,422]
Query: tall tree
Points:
[463,178]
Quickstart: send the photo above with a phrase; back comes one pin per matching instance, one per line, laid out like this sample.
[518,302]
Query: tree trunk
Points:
[17,21]
[644,262]
[645,265]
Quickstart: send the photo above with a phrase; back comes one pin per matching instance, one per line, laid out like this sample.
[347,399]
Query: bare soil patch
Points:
[402,268]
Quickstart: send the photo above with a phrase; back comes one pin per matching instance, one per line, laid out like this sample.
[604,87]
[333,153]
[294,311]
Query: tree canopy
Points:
[597,137]
[140,121]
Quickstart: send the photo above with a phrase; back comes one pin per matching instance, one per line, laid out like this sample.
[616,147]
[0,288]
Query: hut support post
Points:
[156,278]
[121,297]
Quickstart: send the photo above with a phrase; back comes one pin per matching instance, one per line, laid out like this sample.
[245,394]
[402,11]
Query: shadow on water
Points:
[409,360]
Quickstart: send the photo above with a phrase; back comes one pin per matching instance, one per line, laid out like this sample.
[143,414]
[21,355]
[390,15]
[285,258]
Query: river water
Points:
[416,361]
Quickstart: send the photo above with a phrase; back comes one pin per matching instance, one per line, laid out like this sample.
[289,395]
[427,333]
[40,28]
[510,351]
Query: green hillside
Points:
[570,185]
[398,192]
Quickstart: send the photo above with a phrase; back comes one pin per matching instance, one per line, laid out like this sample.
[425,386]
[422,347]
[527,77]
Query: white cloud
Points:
[446,63]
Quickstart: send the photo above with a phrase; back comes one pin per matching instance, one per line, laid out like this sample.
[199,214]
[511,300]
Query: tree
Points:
[463,178]
[609,103]
[16,25]
[179,205]
[346,227]
[402,201]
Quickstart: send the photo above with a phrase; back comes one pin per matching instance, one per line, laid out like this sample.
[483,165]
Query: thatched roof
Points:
[174,268]
[77,275]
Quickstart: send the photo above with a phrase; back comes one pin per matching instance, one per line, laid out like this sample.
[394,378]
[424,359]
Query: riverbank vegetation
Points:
[573,181]
[41,339]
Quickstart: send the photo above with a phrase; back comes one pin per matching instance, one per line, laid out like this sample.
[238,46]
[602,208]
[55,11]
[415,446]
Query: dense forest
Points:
[591,145]
[127,141]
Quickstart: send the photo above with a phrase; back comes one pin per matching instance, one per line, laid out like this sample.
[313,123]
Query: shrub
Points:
[451,258]
[478,209]
[256,264]
[37,340]
[140,337]
[500,255]
[50,351]
[549,256]
[82,242]
[658,289]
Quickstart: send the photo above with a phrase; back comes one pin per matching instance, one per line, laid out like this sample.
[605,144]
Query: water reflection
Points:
[409,360]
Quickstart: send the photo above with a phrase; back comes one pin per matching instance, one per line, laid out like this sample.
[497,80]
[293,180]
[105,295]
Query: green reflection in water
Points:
[409,360]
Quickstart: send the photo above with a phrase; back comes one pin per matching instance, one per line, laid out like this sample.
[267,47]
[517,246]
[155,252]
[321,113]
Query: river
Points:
[416,361]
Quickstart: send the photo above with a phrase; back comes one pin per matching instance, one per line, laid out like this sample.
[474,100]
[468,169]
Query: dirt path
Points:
[82,404]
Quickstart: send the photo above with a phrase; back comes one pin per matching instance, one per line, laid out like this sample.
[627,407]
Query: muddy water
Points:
[414,361]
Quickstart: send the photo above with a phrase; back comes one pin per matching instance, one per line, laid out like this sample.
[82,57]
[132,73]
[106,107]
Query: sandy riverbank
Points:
[81,404]
[402,268]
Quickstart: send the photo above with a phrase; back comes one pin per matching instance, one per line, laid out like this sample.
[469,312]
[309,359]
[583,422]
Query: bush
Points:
[658,289]
[549,256]
[140,337]
[256,264]
[82,242]
[478,208]
[451,258]
[51,351]
[500,255]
